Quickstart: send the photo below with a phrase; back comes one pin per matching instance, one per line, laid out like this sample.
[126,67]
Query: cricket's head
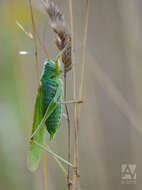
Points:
[53,69]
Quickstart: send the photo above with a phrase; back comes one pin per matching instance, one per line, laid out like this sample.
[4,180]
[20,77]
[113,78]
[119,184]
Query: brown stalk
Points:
[69,133]
[63,38]
[57,23]
[38,80]
[76,176]
[35,43]
[83,59]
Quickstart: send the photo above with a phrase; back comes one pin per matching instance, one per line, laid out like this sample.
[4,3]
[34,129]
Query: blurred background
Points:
[111,124]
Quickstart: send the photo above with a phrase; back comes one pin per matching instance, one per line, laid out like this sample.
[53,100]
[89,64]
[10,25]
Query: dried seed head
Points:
[63,37]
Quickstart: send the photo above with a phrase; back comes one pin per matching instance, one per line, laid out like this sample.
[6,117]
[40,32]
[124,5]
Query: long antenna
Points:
[35,42]
[29,35]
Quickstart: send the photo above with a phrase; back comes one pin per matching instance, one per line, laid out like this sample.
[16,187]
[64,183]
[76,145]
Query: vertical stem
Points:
[35,43]
[83,61]
[69,135]
[45,169]
[76,178]
[38,80]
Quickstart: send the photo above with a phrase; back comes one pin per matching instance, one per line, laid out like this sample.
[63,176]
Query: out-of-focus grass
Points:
[15,108]
[107,138]
[17,93]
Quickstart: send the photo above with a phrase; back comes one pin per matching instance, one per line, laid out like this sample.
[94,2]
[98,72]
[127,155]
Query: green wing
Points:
[35,152]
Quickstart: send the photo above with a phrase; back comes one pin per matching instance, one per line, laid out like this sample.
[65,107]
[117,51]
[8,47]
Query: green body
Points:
[48,110]
[49,88]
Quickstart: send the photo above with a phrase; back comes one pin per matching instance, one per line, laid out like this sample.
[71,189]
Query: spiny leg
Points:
[71,102]
[44,147]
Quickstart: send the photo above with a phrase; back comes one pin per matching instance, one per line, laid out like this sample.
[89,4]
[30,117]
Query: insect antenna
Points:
[30,35]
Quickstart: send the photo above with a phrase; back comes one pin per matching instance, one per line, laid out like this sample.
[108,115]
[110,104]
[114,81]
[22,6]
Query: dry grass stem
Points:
[35,43]
[38,81]
[76,176]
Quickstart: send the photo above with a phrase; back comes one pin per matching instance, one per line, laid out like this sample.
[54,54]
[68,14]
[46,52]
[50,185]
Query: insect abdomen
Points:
[54,120]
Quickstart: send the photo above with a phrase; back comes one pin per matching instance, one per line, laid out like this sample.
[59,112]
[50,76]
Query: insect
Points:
[48,110]
[48,107]
[49,102]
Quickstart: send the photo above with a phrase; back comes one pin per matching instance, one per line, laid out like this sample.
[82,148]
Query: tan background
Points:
[111,126]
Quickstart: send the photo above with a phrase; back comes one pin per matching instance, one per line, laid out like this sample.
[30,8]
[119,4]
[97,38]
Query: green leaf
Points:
[35,152]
